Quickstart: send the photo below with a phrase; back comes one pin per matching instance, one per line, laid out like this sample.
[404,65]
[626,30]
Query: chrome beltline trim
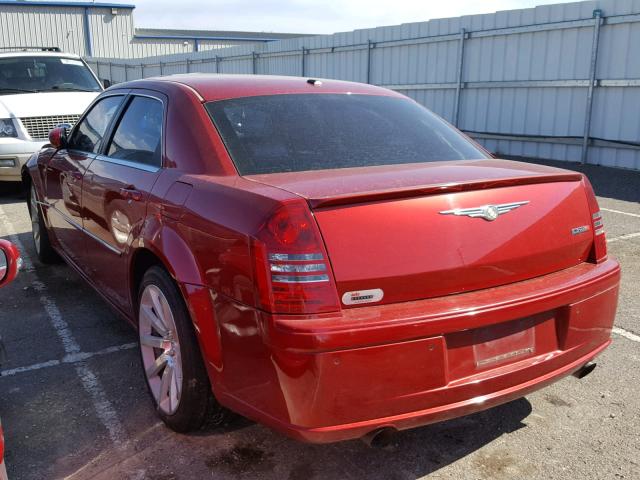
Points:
[128,163]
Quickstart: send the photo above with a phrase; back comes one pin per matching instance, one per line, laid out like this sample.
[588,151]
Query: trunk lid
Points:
[398,232]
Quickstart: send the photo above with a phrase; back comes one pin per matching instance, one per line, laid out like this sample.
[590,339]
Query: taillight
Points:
[293,273]
[599,249]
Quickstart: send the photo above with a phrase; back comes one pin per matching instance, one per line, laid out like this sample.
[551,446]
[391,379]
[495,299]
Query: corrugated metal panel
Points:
[110,33]
[42,26]
[524,74]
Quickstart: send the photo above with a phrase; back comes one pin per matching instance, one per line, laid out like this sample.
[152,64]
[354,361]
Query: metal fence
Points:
[556,82]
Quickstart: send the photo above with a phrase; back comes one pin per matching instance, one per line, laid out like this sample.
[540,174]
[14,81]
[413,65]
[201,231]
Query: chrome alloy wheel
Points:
[35,219]
[160,349]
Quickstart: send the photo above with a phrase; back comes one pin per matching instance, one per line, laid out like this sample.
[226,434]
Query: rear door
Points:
[116,190]
[65,174]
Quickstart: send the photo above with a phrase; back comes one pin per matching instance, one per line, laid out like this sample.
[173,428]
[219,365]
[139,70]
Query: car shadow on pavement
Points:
[11,192]
[243,449]
[251,450]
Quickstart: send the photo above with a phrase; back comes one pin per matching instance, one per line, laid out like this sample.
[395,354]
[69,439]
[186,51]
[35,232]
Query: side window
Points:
[89,134]
[138,137]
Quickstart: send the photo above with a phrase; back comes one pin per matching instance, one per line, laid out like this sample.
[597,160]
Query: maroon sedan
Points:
[328,258]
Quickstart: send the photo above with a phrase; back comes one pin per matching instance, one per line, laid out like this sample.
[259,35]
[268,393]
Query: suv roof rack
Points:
[26,49]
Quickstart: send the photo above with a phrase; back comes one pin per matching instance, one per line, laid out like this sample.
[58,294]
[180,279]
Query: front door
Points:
[65,174]
[116,189]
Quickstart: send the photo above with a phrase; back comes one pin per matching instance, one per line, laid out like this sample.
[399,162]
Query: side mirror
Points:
[9,262]
[106,83]
[58,136]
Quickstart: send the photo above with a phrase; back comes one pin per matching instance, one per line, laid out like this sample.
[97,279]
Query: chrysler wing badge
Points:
[488,212]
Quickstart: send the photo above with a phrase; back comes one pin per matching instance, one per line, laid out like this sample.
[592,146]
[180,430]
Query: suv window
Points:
[139,133]
[45,74]
[298,132]
[89,133]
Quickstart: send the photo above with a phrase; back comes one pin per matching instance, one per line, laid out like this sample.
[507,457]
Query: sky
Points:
[307,16]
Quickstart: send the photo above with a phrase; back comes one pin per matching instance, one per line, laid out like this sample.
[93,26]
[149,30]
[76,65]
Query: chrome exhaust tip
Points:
[585,370]
[380,438]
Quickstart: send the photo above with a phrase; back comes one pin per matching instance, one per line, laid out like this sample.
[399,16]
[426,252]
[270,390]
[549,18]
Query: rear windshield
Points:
[294,133]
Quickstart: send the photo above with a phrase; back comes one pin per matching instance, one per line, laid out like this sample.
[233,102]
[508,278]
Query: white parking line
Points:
[621,212]
[623,237]
[105,411]
[67,359]
[626,334]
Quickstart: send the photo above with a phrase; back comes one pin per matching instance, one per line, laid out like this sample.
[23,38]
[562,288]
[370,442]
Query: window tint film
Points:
[138,136]
[293,133]
[89,134]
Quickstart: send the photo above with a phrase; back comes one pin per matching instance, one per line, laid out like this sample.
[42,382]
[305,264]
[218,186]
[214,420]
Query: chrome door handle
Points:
[131,194]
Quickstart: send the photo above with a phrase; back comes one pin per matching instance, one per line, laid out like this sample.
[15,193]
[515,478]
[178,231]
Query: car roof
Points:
[31,53]
[212,87]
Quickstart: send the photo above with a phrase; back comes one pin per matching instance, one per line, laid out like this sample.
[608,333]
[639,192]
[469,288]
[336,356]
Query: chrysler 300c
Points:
[328,258]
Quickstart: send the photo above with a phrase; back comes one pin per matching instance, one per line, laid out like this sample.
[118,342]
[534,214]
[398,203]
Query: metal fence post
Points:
[254,63]
[188,62]
[161,69]
[304,66]
[217,57]
[597,15]
[111,72]
[370,47]
[126,72]
[459,83]
[141,70]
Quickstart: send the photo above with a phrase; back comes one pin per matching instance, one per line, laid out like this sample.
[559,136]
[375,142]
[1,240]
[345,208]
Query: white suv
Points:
[38,91]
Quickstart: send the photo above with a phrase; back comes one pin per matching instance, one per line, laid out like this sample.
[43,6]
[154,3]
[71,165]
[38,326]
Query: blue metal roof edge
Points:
[197,37]
[65,4]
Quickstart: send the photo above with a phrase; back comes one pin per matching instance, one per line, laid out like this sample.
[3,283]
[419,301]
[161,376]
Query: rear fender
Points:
[167,244]
[169,247]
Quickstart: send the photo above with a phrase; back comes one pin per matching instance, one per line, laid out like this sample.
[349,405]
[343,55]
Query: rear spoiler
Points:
[419,191]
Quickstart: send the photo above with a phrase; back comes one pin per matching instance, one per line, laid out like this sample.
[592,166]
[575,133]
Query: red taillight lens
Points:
[293,273]
[599,249]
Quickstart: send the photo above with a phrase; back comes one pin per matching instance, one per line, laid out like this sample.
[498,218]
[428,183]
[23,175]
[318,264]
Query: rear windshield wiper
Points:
[17,90]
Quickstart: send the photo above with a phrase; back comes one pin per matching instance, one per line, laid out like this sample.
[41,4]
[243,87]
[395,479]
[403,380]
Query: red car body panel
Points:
[12,258]
[8,274]
[474,313]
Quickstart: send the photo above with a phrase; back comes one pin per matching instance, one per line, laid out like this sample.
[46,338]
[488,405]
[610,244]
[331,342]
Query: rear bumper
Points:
[331,378]
[417,418]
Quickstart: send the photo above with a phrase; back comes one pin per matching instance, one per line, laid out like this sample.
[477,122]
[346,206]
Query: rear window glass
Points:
[138,136]
[294,133]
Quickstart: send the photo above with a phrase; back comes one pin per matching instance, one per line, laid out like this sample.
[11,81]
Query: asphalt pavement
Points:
[73,401]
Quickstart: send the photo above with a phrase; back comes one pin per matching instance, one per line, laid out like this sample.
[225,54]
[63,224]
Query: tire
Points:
[39,233]
[171,361]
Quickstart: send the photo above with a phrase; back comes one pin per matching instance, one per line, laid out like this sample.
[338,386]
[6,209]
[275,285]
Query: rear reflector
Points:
[299,279]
